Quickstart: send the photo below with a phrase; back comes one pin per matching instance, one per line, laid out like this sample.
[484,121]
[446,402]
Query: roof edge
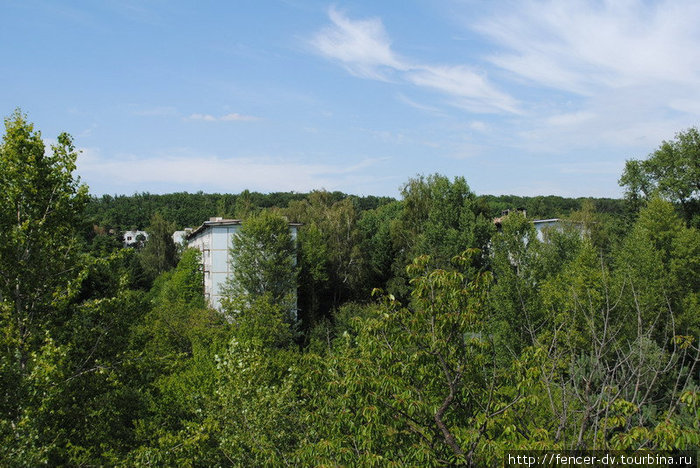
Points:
[222,222]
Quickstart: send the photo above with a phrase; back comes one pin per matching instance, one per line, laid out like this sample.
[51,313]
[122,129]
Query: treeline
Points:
[125,212]
[424,335]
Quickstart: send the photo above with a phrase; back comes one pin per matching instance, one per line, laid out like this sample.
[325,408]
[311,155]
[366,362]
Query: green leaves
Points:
[159,253]
[673,170]
[40,206]
[479,345]
[263,260]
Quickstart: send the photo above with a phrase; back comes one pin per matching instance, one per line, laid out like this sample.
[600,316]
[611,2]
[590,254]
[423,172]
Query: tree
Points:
[415,384]
[673,169]
[159,254]
[40,205]
[517,270]
[613,371]
[329,247]
[263,260]
[661,256]
[376,244]
[439,219]
[176,342]
[244,205]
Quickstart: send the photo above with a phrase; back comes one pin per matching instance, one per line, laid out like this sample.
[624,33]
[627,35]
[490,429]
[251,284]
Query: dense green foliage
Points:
[159,253]
[672,171]
[428,337]
[123,212]
[263,265]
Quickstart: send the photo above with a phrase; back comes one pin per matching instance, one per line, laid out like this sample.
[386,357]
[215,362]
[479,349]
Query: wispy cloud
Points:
[361,46]
[581,46]
[572,118]
[613,168]
[185,169]
[170,111]
[238,117]
[224,118]
[571,75]
[478,126]
[472,90]
[205,117]
[424,107]
[364,49]
[613,74]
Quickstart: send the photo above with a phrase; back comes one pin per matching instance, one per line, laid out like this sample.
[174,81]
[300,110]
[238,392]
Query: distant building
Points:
[213,239]
[541,225]
[180,237]
[497,221]
[548,224]
[133,237]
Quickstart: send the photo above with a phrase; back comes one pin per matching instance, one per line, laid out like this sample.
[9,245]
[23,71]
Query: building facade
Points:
[134,237]
[214,238]
[544,224]
[180,237]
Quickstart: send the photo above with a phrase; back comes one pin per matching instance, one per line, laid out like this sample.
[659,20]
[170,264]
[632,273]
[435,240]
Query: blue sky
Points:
[529,98]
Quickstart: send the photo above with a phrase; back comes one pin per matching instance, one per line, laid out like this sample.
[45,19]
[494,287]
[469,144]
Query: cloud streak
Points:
[573,74]
[232,117]
[581,47]
[189,171]
[363,48]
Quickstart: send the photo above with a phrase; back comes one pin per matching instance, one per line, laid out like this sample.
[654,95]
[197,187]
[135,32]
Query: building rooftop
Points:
[214,221]
[219,221]
[539,221]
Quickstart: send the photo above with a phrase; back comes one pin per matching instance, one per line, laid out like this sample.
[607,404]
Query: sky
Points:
[522,97]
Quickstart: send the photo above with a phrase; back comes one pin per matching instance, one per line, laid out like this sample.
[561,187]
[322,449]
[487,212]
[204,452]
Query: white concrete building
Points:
[542,224]
[213,239]
[132,237]
[180,237]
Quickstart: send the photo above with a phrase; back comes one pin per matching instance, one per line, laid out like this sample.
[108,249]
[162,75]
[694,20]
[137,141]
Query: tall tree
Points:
[673,169]
[439,219]
[40,204]
[331,259]
[263,260]
[159,253]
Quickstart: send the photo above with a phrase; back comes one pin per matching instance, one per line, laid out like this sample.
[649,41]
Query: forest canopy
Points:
[425,334]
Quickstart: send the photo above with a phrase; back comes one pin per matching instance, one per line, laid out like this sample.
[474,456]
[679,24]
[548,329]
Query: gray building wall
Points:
[214,238]
[214,242]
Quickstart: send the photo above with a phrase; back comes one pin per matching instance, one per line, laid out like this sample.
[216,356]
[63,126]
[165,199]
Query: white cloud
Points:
[364,49]
[184,169]
[224,118]
[593,75]
[238,117]
[395,138]
[361,46]
[580,47]
[205,117]
[466,151]
[410,102]
[572,118]
[478,126]
[613,168]
[620,74]
[472,89]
